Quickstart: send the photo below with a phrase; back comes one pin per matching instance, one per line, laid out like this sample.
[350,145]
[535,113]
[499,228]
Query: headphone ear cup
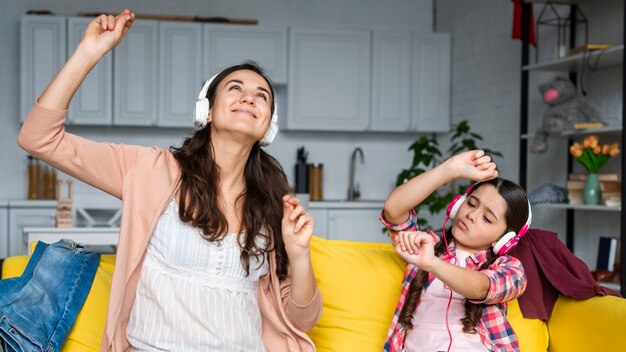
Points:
[506,243]
[201,113]
[455,204]
[272,129]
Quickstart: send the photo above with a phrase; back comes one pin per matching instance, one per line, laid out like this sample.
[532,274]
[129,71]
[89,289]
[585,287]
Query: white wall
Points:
[385,155]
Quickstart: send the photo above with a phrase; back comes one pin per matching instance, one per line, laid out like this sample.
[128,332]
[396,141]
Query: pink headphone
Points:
[504,244]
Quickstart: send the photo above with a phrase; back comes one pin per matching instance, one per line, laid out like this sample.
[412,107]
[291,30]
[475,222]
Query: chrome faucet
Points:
[353,191]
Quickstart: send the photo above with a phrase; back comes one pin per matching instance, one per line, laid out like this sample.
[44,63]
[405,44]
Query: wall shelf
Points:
[579,207]
[602,130]
[610,57]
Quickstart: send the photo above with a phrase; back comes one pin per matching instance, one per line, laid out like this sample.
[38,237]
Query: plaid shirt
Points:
[507,281]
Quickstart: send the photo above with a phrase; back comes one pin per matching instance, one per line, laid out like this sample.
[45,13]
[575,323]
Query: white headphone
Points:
[510,239]
[201,114]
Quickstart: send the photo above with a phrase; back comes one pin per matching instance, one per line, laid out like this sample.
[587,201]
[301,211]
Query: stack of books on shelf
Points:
[610,188]
[589,125]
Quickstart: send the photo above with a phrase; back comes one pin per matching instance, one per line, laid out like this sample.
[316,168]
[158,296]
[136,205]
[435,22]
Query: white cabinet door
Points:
[135,76]
[320,222]
[329,80]
[4,232]
[180,80]
[42,54]
[93,102]
[27,217]
[391,81]
[356,225]
[431,82]
[228,45]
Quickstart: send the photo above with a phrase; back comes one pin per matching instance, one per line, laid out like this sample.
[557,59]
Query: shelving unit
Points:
[611,57]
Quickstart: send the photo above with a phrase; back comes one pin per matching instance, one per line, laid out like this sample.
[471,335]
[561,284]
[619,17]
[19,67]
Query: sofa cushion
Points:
[88,329]
[594,324]
[360,283]
[532,333]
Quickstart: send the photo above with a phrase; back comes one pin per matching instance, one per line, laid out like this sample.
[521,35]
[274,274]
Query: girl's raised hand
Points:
[105,33]
[297,226]
[473,165]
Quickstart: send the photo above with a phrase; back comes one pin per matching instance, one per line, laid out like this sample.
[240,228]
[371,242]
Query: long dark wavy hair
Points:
[516,216]
[265,185]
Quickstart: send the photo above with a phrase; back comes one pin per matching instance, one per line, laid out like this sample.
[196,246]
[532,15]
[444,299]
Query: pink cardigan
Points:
[146,179]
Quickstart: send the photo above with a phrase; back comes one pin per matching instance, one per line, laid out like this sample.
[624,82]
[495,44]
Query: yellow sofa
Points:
[360,283]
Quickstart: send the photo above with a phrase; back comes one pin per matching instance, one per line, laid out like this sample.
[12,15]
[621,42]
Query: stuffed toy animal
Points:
[565,108]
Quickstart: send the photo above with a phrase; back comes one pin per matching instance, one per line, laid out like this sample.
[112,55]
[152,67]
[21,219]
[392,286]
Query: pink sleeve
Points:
[409,225]
[102,165]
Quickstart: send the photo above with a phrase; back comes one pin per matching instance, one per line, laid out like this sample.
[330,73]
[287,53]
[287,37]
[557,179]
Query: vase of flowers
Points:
[593,155]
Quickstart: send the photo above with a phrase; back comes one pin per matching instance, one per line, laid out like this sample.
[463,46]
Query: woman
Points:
[213,254]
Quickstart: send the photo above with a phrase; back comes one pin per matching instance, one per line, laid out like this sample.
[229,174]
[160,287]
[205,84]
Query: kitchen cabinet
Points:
[180,56]
[391,81]
[22,214]
[42,54]
[135,76]
[228,45]
[93,102]
[329,80]
[348,221]
[410,82]
[4,229]
[430,95]
[356,225]
[320,223]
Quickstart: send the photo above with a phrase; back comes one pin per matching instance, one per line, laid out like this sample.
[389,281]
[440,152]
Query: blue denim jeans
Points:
[38,309]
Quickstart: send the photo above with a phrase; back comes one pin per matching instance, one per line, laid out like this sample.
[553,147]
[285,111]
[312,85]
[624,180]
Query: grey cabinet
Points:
[430,98]
[228,45]
[329,80]
[180,54]
[93,102]
[411,82]
[356,225]
[348,221]
[42,54]
[391,81]
[27,214]
[135,76]
[4,230]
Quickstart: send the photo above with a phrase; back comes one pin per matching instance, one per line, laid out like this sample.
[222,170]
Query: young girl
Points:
[457,286]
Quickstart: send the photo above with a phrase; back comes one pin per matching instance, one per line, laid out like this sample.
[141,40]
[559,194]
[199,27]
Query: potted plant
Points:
[593,155]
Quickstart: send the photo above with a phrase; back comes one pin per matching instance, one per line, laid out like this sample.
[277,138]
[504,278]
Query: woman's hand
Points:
[415,247]
[297,227]
[104,33]
[473,165]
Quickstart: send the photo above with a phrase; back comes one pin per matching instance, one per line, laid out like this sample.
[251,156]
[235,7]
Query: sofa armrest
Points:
[595,324]
[13,266]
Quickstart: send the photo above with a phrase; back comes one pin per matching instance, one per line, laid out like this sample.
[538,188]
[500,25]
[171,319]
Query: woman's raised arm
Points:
[102,35]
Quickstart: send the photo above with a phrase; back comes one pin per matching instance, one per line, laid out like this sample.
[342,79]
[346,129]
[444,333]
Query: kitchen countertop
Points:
[25,203]
[324,204]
